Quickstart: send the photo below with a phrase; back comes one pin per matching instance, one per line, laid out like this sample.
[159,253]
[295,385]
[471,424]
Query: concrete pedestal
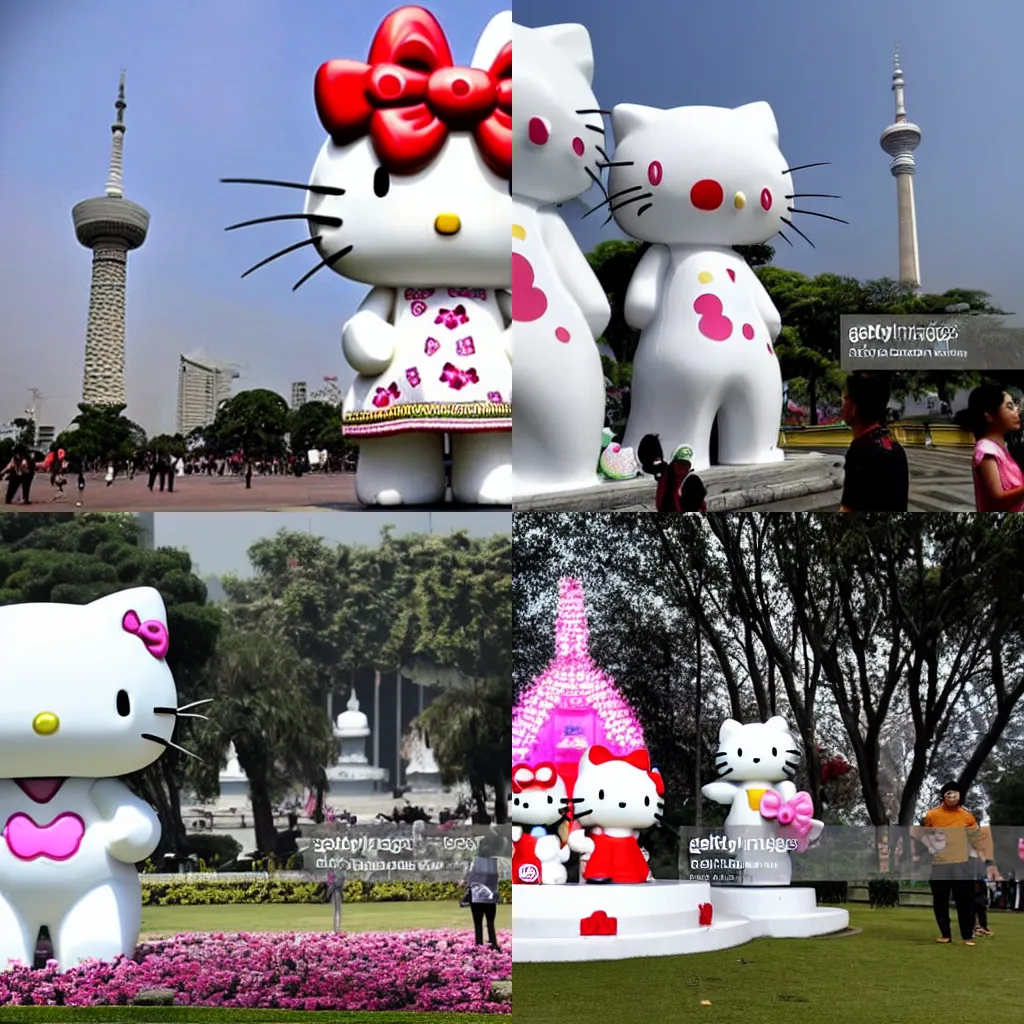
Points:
[781,912]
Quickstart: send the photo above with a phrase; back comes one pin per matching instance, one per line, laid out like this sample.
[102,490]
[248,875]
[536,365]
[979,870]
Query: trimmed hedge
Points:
[828,892]
[173,894]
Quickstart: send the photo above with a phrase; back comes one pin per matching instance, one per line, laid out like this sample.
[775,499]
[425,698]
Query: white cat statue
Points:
[766,813]
[615,798]
[410,194]
[694,182]
[539,805]
[87,697]
[558,305]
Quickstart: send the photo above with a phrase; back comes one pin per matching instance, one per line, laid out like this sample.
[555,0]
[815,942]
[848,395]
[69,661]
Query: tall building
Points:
[900,140]
[298,393]
[203,384]
[110,225]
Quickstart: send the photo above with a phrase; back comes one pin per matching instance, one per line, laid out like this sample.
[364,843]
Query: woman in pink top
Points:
[990,415]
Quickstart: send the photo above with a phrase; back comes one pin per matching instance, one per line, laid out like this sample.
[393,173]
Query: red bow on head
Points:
[541,776]
[409,96]
[638,758]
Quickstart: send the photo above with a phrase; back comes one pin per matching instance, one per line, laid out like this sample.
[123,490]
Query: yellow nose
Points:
[739,200]
[46,723]
[447,224]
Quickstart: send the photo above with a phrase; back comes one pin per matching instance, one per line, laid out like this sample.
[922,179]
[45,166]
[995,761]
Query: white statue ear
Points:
[574,42]
[761,119]
[729,728]
[146,602]
[494,37]
[629,117]
[778,722]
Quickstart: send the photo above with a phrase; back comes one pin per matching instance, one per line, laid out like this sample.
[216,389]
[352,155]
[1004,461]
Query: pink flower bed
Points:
[421,970]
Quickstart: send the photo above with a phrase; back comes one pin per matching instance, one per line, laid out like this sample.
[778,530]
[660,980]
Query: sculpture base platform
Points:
[532,491]
[780,912]
[656,919]
[729,487]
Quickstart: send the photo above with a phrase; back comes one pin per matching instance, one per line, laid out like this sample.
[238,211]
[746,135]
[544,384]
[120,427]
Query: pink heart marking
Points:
[712,324]
[529,303]
[58,840]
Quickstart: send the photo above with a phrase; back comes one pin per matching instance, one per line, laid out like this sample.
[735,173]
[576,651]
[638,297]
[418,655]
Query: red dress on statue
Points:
[617,859]
[525,864]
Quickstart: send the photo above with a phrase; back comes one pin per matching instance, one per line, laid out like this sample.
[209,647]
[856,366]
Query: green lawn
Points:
[893,973]
[311,917]
[199,1015]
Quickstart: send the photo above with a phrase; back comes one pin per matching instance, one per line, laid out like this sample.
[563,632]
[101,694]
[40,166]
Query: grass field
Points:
[311,917]
[893,973]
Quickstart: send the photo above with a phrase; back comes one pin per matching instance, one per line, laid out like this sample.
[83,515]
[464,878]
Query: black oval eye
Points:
[775,752]
[647,801]
[381,182]
[600,794]
[739,753]
[124,705]
[551,799]
[516,801]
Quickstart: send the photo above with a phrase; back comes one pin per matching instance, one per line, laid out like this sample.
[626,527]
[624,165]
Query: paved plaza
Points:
[309,493]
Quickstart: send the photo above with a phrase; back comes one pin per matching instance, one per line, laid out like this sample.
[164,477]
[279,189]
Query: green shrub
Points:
[214,850]
[884,892]
[167,894]
[831,892]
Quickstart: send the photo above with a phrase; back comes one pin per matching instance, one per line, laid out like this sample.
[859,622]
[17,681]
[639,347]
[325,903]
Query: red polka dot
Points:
[654,173]
[731,273]
[578,147]
[707,195]
[389,86]
[771,351]
[562,334]
[460,87]
[748,331]
[538,131]
[766,199]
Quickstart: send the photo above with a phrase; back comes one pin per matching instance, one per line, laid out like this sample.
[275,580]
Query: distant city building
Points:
[147,530]
[203,384]
[111,226]
[45,436]
[298,393]
[9,432]
[328,392]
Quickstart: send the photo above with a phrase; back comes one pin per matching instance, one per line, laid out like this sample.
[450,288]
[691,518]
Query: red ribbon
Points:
[541,776]
[410,95]
[638,758]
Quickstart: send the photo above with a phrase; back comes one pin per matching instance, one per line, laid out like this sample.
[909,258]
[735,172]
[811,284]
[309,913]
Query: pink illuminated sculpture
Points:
[572,704]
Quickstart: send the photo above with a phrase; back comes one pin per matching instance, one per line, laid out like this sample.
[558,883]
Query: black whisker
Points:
[636,199]
[617,163]
[785,220]
[320,190]
[823,216]
[283,252]
[328,261]
[581,814]
[721,753]
[797,752]
[605,112]
[596,180]
[595,128]
[785,239]
[179,714]
[168,743]
[313,218]
[722,775]
[612,198]
[803,167]
[570,799]
[165,711]
[812,195]
[646,206]
[602,152]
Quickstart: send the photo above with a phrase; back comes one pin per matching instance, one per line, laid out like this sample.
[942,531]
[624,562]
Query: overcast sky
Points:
[215,89]
[218,541]
[826,69]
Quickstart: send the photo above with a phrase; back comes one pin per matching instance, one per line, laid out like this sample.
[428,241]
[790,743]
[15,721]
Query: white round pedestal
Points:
[781,912]
[655,919]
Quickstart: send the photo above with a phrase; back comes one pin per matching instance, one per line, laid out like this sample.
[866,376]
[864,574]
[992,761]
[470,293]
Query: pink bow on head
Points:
[795,814]
[152,632]
[1020,848]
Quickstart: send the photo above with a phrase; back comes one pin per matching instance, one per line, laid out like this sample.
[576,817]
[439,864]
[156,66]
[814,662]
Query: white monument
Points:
[233,781]
[422,774]
[352,771]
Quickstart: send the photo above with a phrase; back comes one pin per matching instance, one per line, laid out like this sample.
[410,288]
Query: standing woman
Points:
[12,472]
[990,415]
[482,891]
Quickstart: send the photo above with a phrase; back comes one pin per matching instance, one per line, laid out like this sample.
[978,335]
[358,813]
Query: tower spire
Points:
[897,87]
[115,183]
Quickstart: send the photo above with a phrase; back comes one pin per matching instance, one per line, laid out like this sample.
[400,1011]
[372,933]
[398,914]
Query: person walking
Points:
[990,415]
[13,473]
[877,477]
[482,892]
[949,832]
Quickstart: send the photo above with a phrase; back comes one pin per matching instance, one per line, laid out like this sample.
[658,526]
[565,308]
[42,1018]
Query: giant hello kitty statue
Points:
[558,305]
[615,798]
[764,805]
[87,696]
[410,194]
[694,182]
[539,805]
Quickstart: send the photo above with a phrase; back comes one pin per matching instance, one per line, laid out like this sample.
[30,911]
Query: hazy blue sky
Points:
[826,69]
[218,541]
[215,88]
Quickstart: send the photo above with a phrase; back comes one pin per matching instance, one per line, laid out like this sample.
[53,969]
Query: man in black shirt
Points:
[877,478]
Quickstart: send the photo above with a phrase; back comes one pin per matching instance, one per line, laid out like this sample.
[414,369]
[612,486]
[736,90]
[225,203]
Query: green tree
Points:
[26,432]
[168,444]
[253,423]
[316,425]
[102,432]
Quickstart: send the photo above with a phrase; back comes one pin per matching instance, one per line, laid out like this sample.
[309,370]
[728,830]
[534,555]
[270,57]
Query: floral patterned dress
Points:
[450,371]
